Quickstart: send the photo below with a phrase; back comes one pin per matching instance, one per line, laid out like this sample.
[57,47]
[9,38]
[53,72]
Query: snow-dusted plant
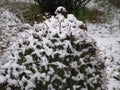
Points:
[54,55]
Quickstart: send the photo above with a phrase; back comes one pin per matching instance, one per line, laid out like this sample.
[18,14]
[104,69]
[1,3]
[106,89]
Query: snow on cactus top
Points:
[50,55]
[59,10]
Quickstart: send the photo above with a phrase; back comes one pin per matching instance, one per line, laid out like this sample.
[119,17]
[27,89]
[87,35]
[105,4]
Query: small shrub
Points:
[115,2]
[91,15]
[33,14]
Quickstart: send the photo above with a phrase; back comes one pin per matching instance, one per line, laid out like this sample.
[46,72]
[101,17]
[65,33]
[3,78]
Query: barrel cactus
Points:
[54,55]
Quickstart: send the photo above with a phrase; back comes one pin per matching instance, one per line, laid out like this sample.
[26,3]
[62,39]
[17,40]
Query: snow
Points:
[107,40]
[60,9]
[2,79]
[22,1]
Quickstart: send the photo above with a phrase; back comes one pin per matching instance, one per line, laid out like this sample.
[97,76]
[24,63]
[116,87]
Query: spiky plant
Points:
[54,55]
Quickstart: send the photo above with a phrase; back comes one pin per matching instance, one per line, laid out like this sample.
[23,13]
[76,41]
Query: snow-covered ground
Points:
[109,43]
[106,35]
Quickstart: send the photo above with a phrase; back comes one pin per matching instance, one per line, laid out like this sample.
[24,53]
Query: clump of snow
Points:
[50,55]
[2,79]
[59,10]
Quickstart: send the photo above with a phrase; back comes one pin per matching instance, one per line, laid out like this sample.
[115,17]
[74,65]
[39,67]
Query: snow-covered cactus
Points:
[54,55]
